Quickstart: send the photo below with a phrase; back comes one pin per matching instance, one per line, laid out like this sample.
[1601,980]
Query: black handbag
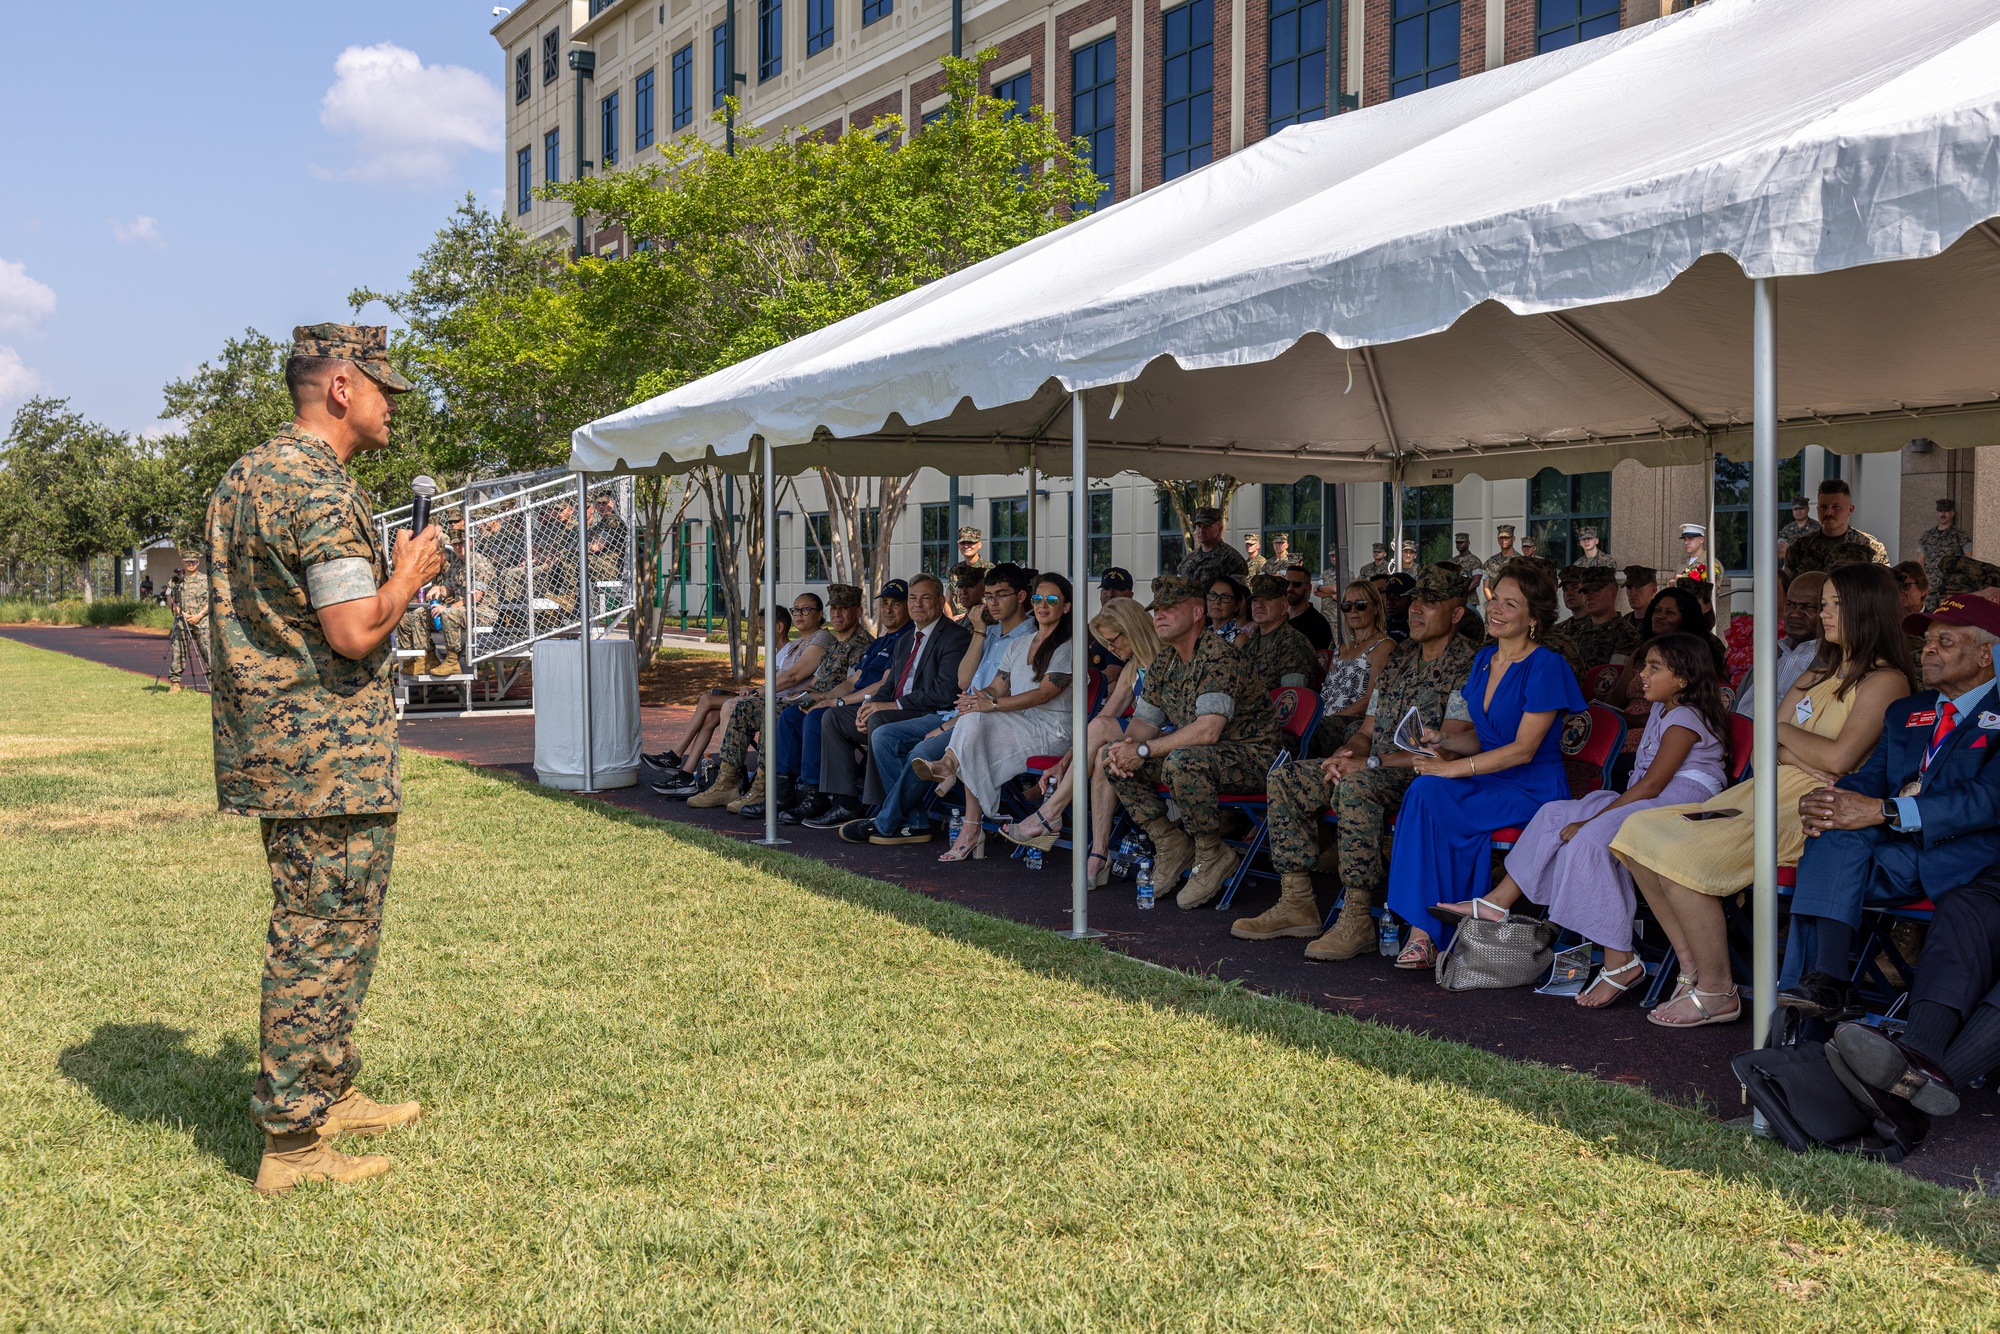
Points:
[1809,1100]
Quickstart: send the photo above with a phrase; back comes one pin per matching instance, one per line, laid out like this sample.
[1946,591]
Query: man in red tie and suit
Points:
[1918,820]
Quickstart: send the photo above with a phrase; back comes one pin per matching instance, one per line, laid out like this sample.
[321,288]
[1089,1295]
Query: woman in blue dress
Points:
[1496,774]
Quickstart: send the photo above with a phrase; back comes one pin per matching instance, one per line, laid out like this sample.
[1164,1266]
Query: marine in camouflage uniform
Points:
[1374,569]
[1798,528]
[1819,551]
[1281,657]
[305,739]
[747,723]
[190,623]
[1216,679]
[1363,801]
[1940,545]
[1966,574]
[1583,641]
[1254,563]
[1498,561]
[1602,560]
[1204,566]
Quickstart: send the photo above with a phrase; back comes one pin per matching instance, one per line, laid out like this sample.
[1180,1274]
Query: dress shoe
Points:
[1820,995]
[810,807]
[838,812]
[1881,1062]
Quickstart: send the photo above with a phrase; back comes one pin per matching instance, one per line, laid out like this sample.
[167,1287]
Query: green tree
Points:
[66,488]
[1187,497]
[226,408]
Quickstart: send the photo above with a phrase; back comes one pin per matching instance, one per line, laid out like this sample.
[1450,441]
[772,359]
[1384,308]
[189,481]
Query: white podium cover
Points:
[614,703]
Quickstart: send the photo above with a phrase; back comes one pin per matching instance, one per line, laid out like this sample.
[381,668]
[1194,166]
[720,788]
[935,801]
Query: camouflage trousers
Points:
[1196,776]
[746,720]
[329,877]
[1362,803]
[182,644]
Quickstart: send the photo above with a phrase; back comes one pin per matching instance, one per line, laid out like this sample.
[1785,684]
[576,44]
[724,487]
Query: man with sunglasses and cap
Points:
[1210,558]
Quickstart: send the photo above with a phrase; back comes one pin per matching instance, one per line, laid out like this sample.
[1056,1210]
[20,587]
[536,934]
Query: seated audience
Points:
[968,587]
[1279,654]
[1363,780]
[1351,679]
[1114,585]
[1304,616]
[1686,859]
[1024,711]
[796,754]
[1673,610]
[1596,636]
[1396,592]
[1000,619]
[921,683]
[1127,631]
[744,721]
[1224,739]
[1563,858]
[1913,588]
[1494,774]
[871,673]
[806,613]
[1919,819]
[1224,605]
[1798,646]
[1641,583]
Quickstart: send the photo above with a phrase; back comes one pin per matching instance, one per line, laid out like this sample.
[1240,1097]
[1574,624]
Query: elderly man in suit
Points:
[922,683]
[1921,818]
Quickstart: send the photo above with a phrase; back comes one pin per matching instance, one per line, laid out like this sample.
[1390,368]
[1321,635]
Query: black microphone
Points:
[422,488]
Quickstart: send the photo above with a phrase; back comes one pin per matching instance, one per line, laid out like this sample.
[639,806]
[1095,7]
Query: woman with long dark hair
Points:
[1687,859]
[1024,712]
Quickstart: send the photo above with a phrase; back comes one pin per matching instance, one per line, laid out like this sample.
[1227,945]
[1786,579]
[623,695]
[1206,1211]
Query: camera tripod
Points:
[194,668]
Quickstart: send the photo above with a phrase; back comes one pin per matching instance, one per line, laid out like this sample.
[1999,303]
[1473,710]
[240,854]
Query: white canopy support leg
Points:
[767,747]
[583,624]
[1708,542]
[1030,562]
[1396,539]
[1764,669]
[1079,690]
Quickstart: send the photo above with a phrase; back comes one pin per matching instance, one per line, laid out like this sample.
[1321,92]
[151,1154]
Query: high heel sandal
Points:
[975,851]
[1044,840]
[937,773]
[1452,912]
[1102,876]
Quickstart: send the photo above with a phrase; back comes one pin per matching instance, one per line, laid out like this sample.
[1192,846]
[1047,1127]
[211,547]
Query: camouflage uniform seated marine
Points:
[1284,657]
[1215,680]
[1364,800]
[1583,641]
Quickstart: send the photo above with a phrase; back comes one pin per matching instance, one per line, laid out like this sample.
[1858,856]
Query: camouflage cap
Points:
[968,575]
[1505,530]
[1382,547]
[1267,586]
[1438,583]
[1638,576]
[1171,590]
[970,535]
[1586,532]
[366,345]
[1206,514]
[1590,577]
[1461,537]
[842,595]
[1946,505]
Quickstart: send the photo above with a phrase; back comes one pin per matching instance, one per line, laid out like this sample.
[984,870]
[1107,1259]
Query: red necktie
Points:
[917,646]
[1947,715]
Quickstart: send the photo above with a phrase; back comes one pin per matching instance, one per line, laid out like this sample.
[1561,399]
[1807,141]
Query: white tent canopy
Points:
[1546,265]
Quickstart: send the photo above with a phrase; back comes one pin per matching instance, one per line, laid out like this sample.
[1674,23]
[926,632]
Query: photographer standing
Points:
[190,620]
[302,604]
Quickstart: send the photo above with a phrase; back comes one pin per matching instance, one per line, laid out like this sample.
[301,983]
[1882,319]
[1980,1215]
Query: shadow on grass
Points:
[1609,1117]
[148,1073]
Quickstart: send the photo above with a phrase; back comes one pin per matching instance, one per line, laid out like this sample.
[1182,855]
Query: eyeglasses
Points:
[1357,606]
[1047,599]
[804,611]
[1222,597]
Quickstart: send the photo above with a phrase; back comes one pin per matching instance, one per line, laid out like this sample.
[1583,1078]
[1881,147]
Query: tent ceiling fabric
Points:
[1547,265]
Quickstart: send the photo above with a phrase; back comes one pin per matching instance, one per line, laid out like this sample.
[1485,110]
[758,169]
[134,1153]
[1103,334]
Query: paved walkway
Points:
[1616,1044]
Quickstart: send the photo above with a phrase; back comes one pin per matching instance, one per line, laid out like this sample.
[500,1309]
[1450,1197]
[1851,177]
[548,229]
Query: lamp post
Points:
[585,64]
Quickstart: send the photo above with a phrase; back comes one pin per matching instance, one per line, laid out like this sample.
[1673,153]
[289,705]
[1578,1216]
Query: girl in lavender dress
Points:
[1564,856]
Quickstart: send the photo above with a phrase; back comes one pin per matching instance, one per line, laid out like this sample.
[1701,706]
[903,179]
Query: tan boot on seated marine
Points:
[719,793]
[1353,932]
[755,794]
[1173,853]
[307,1156]
[1295,914]
[1214,862]
[355,1113]
[444,666]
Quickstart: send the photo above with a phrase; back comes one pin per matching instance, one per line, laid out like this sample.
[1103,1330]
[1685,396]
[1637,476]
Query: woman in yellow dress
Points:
[1827,725]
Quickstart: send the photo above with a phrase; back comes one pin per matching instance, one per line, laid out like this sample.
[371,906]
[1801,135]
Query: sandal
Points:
[941,771]
[1606,976]
[1101,877]
[975,851]
[1452,912]
[1016,833]
[1694,996]
[1421,952]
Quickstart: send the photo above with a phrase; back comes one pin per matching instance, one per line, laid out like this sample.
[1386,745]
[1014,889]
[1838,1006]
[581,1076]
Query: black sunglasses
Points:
[1357,606]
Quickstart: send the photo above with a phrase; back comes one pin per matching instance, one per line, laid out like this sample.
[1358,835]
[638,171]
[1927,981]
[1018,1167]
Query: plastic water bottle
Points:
[1388,936]
[1034,859]
[957,824]
[1121,860]
[1144,877]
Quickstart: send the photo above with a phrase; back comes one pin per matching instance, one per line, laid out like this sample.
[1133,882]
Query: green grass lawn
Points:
[676,1082]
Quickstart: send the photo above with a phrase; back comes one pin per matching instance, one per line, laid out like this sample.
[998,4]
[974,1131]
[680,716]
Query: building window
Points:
[1560,23]
[1734,530]
[552,157]
[1188,118]
[1007,531]
[1427,513]
[872,10]
[1558,504]
[819,547]
[642,112]
[819,26]
[1100,533]
[1020,91]
[940,553]
[719,48]
[933,116]
[551,55]
[1423,45]
[684,87]
[524,184]
[1173,542]
[607,130]
[524,68]
[1094,107]
[1295,512]
[1296,88]
[770,39]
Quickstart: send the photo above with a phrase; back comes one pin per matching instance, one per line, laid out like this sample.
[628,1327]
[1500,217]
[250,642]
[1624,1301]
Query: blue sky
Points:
[176,172]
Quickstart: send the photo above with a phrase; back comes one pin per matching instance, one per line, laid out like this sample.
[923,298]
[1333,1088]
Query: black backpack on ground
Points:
[1809,1098]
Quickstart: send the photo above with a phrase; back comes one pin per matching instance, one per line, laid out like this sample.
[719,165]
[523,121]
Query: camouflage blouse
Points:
[1283,657]
[1217,679]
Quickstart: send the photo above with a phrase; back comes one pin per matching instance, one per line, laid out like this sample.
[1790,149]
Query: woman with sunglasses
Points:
[1225,607]
[1024,712]
[1350,677]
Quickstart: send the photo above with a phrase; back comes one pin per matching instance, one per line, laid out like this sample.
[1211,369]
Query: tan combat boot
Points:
[290,1159]
[755,794]
[1214,862]
[1173,853]
[444,666]
[1353,931]
[1296,913]
[721,792]
[355,1113]
[173,687]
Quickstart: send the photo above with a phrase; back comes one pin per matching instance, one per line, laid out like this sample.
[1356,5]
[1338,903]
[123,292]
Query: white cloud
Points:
[145,228]
[408,121]
[160,430]
[17,382]
[24,302]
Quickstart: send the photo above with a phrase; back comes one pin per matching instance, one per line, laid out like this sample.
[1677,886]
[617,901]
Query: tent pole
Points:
[1079,689]
[767,747]
[1764,671]
[583,623]
[1708,543]
[1396,541]
[1031,562]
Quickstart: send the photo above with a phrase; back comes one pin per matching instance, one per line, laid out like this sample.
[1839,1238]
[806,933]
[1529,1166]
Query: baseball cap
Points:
[1117,578]
[1957,609]
[896,590]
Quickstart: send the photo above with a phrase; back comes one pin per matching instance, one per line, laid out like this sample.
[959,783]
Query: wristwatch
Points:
[1145,751]
[1374,761]
[1889,811]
